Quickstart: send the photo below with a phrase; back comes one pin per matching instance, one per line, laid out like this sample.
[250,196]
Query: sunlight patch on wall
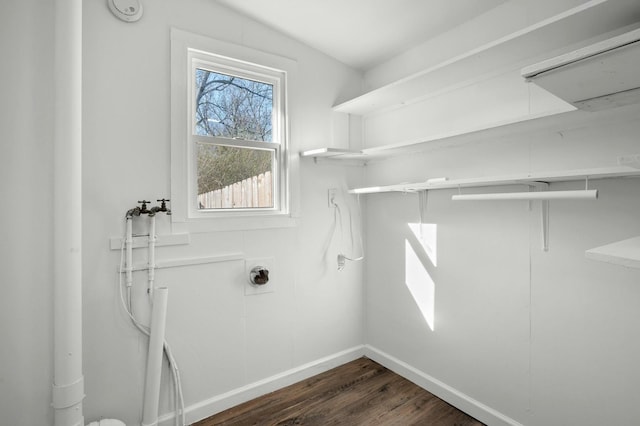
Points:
[426,234]
[420,284]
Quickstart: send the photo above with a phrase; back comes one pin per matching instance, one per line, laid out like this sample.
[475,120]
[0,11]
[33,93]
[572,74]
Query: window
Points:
[237,136]
[229,133]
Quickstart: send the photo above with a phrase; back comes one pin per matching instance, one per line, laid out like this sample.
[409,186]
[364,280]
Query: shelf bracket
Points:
[423,202]
[544,213]
[545,225]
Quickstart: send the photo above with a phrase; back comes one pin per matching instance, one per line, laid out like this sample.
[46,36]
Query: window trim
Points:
[187,50]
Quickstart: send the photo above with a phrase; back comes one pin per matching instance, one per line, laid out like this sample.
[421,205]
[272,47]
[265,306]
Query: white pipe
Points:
[590,194]
[152,254]
[128,241]
[68,381]
[154,358]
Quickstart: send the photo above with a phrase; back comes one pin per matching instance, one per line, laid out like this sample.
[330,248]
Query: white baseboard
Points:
[216,404]
[443,391]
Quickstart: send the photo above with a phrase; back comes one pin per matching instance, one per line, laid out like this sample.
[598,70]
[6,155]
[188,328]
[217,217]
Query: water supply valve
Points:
[163,206]
[143,207]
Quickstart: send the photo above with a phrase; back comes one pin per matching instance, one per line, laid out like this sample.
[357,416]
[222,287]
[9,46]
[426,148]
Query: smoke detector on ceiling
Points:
[126,10]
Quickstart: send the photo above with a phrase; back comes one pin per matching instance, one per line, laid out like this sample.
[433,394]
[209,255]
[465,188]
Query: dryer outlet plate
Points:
[251,289]
[332,193]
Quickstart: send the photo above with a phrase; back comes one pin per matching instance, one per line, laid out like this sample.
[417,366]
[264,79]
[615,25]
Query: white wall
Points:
[26,314]
[544,338]
[519,335]
[222,339]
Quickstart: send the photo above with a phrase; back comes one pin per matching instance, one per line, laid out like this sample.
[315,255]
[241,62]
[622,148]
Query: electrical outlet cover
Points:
[251,289]
[332,193]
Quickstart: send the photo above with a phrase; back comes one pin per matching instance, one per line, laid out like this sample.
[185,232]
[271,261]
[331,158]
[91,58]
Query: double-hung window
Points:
[235,144]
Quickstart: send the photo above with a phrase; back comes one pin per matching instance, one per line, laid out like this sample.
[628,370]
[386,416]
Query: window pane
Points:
[233,107]
[232,177]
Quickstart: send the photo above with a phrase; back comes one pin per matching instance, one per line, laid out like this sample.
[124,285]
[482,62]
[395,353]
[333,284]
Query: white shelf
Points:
[589,20]
[624,253]
[524,179]
[508,128]
[497,129]
[332,153]
[532,179]
[598,76]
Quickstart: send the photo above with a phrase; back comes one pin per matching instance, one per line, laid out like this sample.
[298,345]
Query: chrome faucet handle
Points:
[143,208]
[163,204]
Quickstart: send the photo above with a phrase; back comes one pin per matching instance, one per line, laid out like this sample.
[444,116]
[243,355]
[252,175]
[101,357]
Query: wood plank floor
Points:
[361,392]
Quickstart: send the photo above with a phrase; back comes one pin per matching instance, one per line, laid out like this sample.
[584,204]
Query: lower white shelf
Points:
[525,179]
[624,253]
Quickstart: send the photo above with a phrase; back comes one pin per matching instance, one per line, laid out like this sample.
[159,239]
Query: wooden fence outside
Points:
[256,191]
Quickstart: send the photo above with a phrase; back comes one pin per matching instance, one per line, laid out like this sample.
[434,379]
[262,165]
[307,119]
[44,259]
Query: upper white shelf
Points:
[487,131]
[587,21]
[524,179]
[624,253]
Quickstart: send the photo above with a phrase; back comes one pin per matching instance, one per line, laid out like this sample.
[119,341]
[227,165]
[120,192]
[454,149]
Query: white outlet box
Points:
[268,263]
[332,193]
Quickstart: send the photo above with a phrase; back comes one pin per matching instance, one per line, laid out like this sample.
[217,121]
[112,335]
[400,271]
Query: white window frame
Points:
[188,52]
[275,78]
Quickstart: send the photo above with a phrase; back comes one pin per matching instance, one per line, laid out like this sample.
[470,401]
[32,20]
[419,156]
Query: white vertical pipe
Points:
[68,381]
[128,241]
[154,358]
[152,254]
[128,268]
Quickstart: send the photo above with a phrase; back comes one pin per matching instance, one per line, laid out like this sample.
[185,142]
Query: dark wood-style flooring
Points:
[361,392]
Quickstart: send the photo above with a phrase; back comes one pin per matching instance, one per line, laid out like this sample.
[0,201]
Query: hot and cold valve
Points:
[163,206]
[143,209]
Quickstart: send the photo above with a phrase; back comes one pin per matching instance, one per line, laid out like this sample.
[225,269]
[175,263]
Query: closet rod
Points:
[585,194]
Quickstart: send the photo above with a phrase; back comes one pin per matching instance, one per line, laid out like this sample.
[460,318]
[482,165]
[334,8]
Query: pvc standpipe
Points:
[152,254]
[128,241]
[154,358]
[68,381]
